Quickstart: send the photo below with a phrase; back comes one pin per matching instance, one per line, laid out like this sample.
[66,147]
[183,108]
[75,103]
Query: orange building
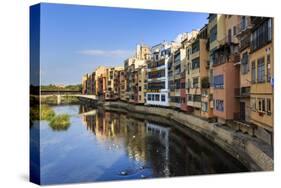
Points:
[225,75]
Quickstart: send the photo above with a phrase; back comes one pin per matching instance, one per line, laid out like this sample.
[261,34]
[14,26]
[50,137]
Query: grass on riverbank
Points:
[60,122]
[45,112]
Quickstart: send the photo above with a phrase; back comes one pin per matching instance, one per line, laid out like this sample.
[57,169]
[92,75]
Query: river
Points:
[104,145]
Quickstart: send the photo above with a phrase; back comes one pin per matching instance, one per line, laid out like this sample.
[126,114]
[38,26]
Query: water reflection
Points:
[106,145]
[168,149]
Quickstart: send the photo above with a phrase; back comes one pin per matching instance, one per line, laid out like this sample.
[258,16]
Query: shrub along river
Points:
[101,145]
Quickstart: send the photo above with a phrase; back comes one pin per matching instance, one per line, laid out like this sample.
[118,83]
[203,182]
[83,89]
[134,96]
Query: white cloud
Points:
[108,53]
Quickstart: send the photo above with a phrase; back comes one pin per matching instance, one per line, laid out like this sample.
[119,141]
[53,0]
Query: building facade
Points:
[157,75]
[262,73]
[223,72]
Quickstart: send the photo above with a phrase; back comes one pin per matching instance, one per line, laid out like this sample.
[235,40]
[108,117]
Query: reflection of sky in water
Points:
[79,155]
[75,155]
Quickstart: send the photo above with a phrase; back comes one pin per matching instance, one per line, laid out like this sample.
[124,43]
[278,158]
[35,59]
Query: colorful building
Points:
[225,74]
[112,83]
[262,69]
[157,75]
[243,92]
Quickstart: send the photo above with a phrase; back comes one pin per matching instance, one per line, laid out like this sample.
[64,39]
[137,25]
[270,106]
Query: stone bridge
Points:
[62,93]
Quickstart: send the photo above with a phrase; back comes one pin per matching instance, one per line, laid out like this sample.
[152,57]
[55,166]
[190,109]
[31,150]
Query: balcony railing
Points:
[244,42]
[242,92]
[244,27]
[228,39]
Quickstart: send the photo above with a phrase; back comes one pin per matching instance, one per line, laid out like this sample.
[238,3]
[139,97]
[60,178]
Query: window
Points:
[196,63]
[243,23]
[262,35]
[261,104]
[212,17]
[269,24]
[268,68]
[182,100]
[261,70]
[177,84]
[253,71]
[195,82]
[149,97]
[156,97]
[234,30]
[268,106]
[244,63]
[213,34]
[253,104]
[187,84]
[176,99]
[177,58]
[229,36]
[156,57]
[195,46]
[204,106]
[197,98]
[156,85]
[156,74]
[177,69]
[219,105]
[152,98]
[182,85]
[219,81]
[163,98]
[211,78]
[155,64]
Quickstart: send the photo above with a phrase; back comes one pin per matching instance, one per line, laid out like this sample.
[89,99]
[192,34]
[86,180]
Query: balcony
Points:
[244,27]
[243,92]
[226,53]
[195,104]
[228,39]
[235,57]
[244,42]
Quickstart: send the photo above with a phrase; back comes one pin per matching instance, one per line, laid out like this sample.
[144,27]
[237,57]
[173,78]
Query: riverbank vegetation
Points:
[60,122]
[53,87]
[45,112]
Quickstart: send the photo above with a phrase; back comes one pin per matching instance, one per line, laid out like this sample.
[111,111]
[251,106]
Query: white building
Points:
[157,75]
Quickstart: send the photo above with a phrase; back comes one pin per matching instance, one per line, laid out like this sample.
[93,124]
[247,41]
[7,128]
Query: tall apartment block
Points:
[157,75]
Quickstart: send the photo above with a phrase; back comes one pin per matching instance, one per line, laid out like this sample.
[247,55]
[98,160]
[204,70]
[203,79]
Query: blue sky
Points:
[77,39]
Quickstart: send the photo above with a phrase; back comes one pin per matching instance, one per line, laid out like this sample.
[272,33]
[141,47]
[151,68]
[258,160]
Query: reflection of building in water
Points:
[118,129]
[163,134]
[134,137]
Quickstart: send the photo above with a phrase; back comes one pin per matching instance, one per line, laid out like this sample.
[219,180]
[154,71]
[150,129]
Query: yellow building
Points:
[141,83]
[100,81]
[261,68]
[122,84]
[243,92]
[84,84]
[112,83]
[197,69]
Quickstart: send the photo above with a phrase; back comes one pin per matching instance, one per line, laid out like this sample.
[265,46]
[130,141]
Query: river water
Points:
[104,145]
